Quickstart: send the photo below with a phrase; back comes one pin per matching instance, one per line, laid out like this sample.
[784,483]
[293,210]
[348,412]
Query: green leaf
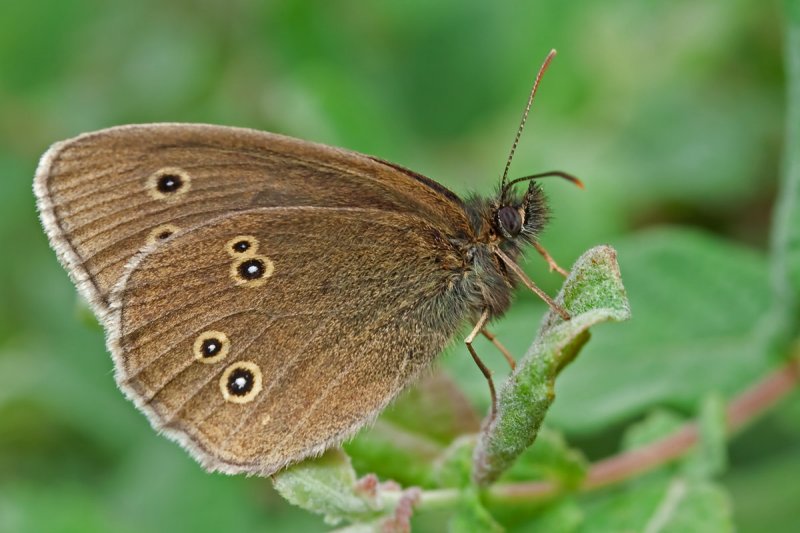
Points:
[327,486]
[658,424]
[394,452]
[401,448]
[448,413]
[710,458]
[786,232]
[678,496]
[691,506]
[662,505]
[549,458]
[765,491]
[700,325]
[455,465]
[565,516]
[472,517]
[592,294]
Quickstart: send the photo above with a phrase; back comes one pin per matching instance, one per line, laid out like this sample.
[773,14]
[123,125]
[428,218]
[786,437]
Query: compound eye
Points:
[510,221]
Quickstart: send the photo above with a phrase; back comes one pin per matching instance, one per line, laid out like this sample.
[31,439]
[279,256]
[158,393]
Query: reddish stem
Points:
[742,410]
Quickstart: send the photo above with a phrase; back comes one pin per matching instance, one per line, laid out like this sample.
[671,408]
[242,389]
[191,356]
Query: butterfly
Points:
[266,297]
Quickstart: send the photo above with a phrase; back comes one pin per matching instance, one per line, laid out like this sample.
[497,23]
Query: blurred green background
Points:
[671,112]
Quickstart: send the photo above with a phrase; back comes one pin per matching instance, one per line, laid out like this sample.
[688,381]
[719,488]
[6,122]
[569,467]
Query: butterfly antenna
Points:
[556,173]
[542,69]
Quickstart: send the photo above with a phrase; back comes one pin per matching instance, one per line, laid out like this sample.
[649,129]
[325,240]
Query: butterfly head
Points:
[517,217]
[509,219]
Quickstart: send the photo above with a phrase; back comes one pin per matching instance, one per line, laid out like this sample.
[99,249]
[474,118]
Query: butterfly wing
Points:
[104,195]
[257,356]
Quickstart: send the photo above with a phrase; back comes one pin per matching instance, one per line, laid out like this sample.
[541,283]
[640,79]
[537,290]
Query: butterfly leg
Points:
[499,345]
[484,369]
[550,261]
[531,285]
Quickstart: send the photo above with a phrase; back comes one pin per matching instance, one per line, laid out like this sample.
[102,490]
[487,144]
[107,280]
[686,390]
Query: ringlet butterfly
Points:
[266,297]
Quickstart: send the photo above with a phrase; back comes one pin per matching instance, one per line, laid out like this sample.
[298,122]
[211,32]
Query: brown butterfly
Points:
[266,297]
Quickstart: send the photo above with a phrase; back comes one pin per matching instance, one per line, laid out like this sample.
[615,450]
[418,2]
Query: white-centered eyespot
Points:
[211,346]
[242,246]
[252,271]
[241,382]
[162,233]
[168,183]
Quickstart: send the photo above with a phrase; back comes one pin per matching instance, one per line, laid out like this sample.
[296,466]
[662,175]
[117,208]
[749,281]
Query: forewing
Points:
[350,308]
[99,198]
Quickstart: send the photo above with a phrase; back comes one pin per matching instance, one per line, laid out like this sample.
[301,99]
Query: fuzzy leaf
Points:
[592,294]
[327,486]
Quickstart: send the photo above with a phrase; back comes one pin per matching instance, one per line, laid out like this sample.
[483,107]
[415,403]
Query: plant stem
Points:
[742,410]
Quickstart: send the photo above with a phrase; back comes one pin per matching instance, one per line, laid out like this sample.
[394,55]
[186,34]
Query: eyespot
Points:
[242,246]
[168,183]
[510,221]
[240,382]
[211,346]
[162,233]
[252,270]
